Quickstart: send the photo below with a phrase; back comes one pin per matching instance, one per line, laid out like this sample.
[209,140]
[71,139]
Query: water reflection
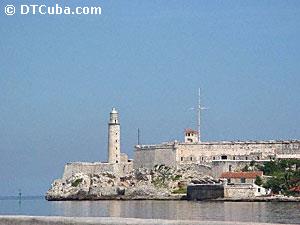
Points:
[280,212]
[275,212]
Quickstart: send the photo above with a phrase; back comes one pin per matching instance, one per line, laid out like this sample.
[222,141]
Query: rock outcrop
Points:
[161,182]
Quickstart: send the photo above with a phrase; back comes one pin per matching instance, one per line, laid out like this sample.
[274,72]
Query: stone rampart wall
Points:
[93,168]
[239,191]
[220,166]
[158,156]
[206,152]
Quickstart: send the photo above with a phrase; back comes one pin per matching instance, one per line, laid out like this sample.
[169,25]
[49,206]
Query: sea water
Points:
[272,212]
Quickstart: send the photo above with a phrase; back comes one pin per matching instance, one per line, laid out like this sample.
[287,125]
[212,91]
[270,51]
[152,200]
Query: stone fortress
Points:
[213,157]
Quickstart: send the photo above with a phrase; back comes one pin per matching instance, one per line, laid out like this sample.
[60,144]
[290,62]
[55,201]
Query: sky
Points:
[60,75]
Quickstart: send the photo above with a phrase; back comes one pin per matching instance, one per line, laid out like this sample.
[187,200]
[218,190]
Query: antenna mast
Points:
[199,114]
[138,136]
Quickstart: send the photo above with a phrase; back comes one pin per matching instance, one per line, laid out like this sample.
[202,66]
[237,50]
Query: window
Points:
[246,158]
[257,157]
[243,180]
[115,121]
[116,133]
[230,168]
[181,158]
[116,148]
[258,189]
[202,158]
[228,180]
[191,158]
[116,141]
[233,157]
[224,157]
[116,161]
[214,158]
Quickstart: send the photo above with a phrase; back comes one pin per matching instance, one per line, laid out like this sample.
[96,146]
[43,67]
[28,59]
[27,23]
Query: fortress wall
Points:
[186,153]
[155,156]
[236,151]
[96,167]
[220,166]
[290,148]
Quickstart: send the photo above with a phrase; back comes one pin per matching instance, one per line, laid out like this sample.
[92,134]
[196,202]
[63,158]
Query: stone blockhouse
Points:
[244,191]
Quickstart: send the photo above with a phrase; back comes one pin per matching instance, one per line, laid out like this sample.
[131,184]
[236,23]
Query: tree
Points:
[258,181]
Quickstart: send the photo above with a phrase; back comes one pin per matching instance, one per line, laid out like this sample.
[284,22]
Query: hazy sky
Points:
[61,75]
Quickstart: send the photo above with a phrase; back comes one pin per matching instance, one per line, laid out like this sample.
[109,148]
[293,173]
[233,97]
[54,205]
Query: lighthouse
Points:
[114,144]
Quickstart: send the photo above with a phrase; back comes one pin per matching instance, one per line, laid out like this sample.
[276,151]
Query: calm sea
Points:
[276,212]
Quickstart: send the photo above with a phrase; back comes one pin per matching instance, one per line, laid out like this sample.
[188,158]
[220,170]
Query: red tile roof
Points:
[295,189]
[250,174]
[188,130]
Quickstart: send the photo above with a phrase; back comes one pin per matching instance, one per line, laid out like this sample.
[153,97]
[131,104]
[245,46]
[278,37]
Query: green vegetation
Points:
[176,177]
[258,181]
[182,190]
[76,182]
[246,169]
[285,175]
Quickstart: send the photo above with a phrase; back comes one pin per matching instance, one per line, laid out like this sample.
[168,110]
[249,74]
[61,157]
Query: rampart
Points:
[97,167]
[174,153]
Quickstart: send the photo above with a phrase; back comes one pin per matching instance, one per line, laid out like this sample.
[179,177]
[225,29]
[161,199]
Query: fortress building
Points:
[191,151]
[213,158]
[221,156]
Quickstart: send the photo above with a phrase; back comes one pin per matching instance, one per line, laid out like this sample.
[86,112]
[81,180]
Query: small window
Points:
[233,157]
[246,158]
[224,157]
[116,141]
[258,189]
[115,121]
[116,148]
[243,180]
[202,158]
[191,158]
[257,157]
[230,167]
[214,158]
[181,158]
[117,156]
[116,133]
[228,180]
[116,161]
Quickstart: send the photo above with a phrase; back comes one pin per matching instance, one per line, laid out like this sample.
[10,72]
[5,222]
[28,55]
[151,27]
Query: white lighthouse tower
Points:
[114,137]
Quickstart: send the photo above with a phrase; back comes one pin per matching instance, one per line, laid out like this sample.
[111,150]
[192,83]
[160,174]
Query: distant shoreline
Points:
[172,198]
[27,197]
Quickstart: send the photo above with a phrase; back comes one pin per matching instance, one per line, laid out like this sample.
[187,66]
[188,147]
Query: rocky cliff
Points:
[161,182]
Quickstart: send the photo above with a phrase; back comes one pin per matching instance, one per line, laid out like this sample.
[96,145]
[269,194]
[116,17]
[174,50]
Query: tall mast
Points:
[199,115]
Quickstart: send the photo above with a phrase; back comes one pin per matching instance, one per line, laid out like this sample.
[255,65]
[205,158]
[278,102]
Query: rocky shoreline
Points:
[159,183]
